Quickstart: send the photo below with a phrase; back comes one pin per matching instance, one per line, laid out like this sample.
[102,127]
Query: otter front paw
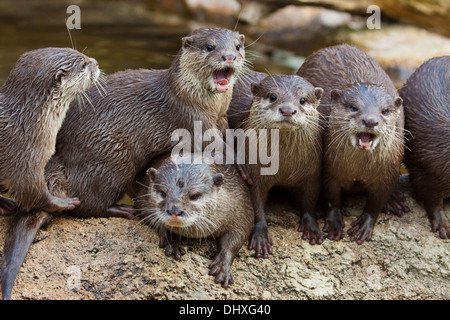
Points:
[362,228]
[260,241]
[123,211]
[440,223]
[172,247]
[220,269]
[61,204]
[310,229]
[396,204]
[334,224]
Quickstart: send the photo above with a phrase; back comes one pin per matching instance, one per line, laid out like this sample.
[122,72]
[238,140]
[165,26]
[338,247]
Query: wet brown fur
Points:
[33,103]
[426,97]
[101,150]
[223,212]
[361,82]
[300,149]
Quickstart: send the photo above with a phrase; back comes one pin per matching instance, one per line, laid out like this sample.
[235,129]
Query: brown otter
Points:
[289,105]
[426,97]
[364,141]
[181,198]
[102,150]
[33,103]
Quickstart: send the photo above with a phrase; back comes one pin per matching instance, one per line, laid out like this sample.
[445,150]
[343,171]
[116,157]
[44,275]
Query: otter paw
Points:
[62,204]
[396,204]
[172,247]
[261,242]
[361,229]
[123,211]
[310,230]
[334,224]
[221,271]
[442,226]
[6,205]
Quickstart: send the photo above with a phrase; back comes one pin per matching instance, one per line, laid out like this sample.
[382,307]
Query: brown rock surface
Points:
[120,259]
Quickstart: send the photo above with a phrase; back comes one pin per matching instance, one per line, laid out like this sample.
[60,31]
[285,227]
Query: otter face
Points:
[365,114]
[181,195]
[57,72]
[284,102]
[219,57]
[77,73]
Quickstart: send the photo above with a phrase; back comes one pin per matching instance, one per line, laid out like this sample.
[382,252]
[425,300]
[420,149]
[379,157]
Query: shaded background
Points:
[124,34]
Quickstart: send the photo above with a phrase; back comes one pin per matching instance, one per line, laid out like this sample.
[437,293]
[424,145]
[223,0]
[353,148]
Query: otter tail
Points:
[22,229]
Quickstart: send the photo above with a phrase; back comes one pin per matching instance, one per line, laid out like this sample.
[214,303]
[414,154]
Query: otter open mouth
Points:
[366,140]
[221,79]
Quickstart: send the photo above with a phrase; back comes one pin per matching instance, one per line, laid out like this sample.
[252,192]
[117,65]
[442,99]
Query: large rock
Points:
[399,49]
[302,28]
[115,258]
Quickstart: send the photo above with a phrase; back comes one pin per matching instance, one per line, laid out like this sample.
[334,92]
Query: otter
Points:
[289,105]
[426,97]
[181,198]
[364,136]
[102,150]
[33,103]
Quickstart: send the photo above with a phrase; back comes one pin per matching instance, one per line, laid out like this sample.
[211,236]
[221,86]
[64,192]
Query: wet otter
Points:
[426,97]
[33,103]
[181,198]
[364,141]
[288,104]
[102,150]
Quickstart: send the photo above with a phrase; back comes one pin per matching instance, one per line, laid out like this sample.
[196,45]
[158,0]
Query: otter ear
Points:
[187,42]
[152,174]
[254,87]
[242,38]
[398,102]
[318,93]
[335,94]
[218,179]
[59,78]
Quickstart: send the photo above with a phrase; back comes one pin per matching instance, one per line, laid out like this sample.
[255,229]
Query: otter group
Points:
[340,124]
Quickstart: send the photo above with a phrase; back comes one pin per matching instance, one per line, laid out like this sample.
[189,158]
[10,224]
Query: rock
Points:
[399,49]
[430,14]
[404,260]
[302,28]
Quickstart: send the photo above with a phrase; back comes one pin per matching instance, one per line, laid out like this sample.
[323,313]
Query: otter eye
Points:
[272,98]
[195,196]
[210,47]
[162,194]
[353,108]
[385,111]
[302,101]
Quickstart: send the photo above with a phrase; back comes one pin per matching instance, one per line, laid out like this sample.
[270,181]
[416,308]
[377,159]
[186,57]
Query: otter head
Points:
[182,196]
[365,114]
[284,102]
[212,58]
[51,74]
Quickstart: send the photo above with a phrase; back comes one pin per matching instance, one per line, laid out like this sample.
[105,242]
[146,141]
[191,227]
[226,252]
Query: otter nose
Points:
[287,111]
[370,123]
[229,58]
[175,212]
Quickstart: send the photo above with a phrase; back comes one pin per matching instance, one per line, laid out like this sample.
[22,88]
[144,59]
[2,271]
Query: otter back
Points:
[426,97]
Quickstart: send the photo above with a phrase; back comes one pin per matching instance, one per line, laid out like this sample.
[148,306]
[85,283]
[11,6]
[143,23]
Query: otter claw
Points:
[261,242]
[172,248]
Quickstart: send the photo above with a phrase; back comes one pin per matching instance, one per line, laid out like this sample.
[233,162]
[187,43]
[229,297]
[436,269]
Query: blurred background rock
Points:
[146,33]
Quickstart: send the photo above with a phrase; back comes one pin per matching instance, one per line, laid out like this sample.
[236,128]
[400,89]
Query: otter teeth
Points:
[370,143]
